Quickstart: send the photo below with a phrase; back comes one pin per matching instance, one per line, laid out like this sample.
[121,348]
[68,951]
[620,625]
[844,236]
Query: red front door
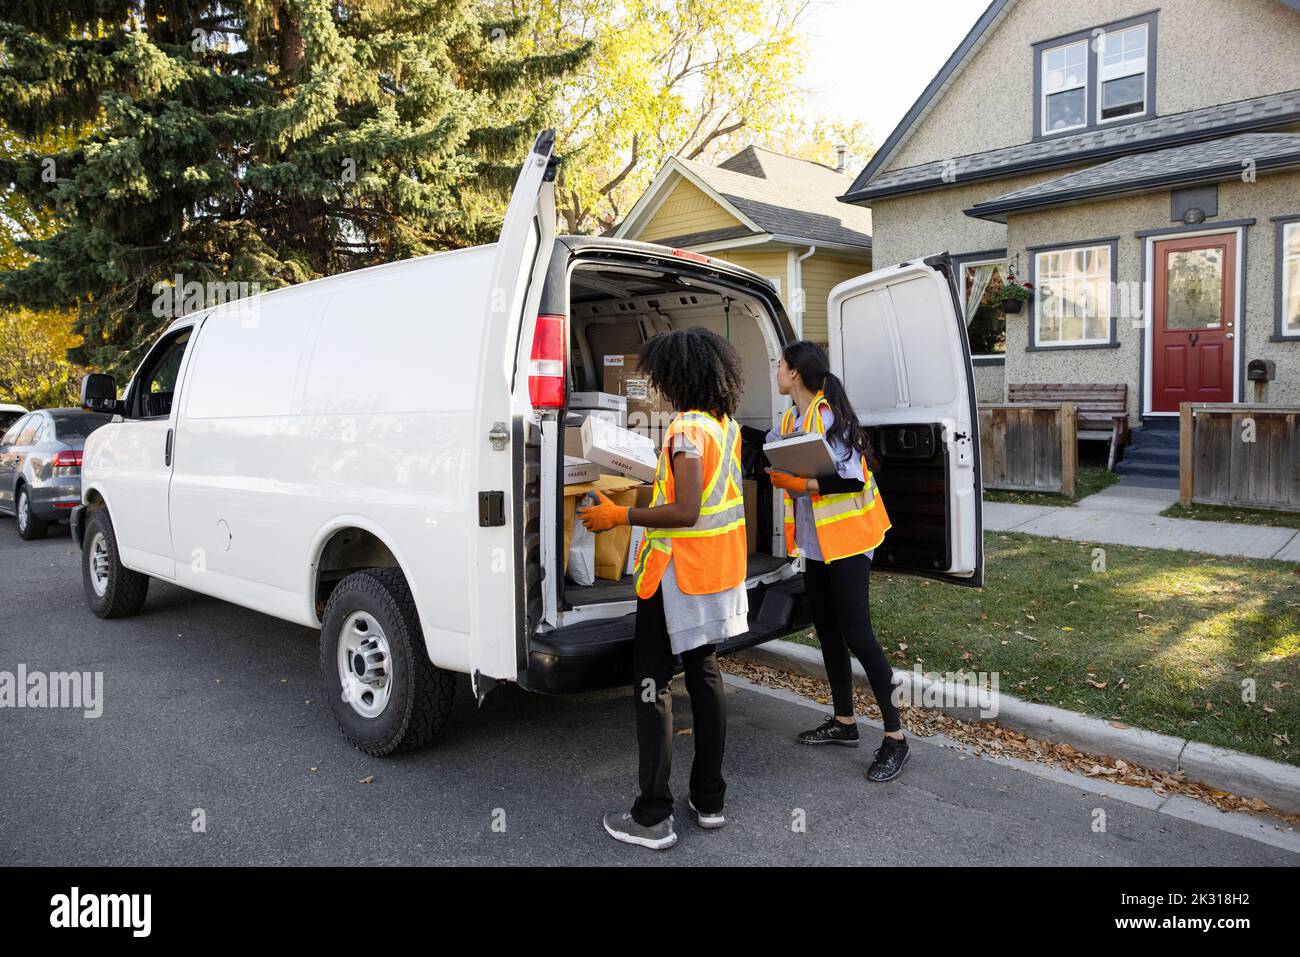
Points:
[1194,324]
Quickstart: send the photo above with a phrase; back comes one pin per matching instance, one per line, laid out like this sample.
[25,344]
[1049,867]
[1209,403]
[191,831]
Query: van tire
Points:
[30,528]
[421,695]
[124,591]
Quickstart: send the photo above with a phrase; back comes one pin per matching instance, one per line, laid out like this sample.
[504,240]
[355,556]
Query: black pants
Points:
[653,671]
[840,595]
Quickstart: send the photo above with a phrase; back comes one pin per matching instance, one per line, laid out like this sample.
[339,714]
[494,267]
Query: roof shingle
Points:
[1182,165]
[1274,109]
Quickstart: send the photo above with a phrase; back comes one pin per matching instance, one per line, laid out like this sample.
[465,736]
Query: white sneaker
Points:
[711,820]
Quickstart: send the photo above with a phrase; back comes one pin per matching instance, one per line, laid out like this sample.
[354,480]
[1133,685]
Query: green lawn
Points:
[1091,479]
[1161,640]
[1242,516]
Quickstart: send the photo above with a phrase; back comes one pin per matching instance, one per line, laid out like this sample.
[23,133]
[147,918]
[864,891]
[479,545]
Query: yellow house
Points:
[771,213]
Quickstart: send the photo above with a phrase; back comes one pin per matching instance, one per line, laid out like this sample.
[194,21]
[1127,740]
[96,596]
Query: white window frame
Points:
[1105,314]
[1102,78]
[1288,229]
[1045,93]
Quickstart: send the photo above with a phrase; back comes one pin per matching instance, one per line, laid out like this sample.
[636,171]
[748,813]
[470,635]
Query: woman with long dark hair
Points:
[835,523]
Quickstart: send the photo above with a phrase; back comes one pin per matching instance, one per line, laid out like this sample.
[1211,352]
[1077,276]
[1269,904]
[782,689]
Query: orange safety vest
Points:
[848,523]
[708,557]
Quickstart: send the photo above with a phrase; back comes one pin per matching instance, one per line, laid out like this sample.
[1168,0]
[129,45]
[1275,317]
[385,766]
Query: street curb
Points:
[1243,774]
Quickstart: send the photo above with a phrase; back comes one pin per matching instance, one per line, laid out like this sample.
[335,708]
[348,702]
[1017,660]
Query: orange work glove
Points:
[791,483]
[606,515]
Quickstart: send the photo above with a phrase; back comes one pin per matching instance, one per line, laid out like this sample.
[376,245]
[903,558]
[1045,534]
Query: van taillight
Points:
[546,373]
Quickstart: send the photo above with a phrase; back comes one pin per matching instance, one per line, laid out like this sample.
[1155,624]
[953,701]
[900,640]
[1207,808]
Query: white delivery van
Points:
[379,454]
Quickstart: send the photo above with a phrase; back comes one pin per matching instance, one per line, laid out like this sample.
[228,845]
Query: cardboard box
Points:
[621,491]
[598,401]
[619,449]
[648,412]
[579,470]
[644,497]
[633,546]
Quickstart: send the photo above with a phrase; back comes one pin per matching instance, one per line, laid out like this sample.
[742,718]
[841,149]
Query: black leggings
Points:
[652,665]
[840,595]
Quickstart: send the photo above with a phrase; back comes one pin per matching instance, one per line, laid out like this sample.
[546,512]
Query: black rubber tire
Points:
[36,529]
[126,589]
[422,693]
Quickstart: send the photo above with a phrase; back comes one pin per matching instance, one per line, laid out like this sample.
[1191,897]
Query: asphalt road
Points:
[209,706]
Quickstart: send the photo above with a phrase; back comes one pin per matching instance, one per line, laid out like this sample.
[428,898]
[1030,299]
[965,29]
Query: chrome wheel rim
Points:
[364,663]
[23,514]
[98,559]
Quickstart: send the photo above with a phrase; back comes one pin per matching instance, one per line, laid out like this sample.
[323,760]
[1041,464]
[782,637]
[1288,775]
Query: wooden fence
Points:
[1244,455]
[1029,447]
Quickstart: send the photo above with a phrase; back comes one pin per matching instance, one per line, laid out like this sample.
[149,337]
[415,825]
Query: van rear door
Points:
[521,257]
[898,340]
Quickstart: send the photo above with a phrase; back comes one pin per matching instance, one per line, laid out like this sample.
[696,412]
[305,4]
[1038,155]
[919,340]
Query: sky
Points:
[868,60]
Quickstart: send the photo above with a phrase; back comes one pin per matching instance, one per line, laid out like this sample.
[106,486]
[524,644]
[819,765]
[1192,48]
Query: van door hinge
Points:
[499,435]
[491,509]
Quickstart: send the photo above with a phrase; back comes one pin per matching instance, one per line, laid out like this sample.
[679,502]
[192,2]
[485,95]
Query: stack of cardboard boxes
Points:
[619,432]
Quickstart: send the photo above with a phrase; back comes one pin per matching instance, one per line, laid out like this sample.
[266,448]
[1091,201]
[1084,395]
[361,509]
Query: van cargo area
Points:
[613,307]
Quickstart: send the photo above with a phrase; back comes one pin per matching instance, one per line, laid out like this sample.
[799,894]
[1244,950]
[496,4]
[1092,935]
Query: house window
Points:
[1072,296]
[1095,77]
[1290,265]
[986,324]
[1123,62]
[1065,87]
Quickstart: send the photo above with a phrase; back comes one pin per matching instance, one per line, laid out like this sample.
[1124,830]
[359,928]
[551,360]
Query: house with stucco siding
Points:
[1136,161]
[775,214]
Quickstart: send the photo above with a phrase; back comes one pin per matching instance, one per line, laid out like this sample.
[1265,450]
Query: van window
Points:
[156,382]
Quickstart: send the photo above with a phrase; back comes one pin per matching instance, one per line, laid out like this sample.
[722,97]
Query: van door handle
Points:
[167,453]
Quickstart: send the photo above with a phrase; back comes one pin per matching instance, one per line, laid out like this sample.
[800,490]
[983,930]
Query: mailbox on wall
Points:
[1260,370]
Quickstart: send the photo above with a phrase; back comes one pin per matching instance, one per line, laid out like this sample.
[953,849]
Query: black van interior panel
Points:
[913,481]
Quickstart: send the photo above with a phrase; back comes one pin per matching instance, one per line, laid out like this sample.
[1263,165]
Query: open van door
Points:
[519,267]
[898,340]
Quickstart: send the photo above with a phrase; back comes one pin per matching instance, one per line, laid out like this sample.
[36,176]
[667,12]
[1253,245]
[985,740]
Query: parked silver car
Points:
[40,467]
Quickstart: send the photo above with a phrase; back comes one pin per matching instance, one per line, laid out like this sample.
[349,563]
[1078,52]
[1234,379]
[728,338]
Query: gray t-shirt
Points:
[695,620]
[847,462]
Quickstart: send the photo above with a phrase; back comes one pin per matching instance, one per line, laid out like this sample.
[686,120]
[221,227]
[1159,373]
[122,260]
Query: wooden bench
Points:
[1102,409]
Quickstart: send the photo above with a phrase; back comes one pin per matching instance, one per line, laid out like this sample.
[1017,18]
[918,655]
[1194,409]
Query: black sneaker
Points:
[890,758]
[832,732]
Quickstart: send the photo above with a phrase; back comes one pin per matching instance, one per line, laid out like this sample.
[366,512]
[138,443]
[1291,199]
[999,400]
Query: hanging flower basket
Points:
[1014,295]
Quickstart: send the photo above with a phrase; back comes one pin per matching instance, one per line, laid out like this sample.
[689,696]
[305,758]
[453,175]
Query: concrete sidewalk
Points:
[1130,515]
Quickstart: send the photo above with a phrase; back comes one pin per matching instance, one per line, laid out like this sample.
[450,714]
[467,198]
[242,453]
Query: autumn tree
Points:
[683,77]
[261,142]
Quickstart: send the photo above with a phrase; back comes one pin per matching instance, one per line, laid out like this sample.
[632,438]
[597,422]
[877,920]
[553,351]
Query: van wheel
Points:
[112,589]
[386,695]
[30,528]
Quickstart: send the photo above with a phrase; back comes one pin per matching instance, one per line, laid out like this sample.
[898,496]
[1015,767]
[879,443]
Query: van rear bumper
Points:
[597,655]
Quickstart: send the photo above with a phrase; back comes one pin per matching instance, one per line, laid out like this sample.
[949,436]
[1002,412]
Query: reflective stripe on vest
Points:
[847,523]
[710,555]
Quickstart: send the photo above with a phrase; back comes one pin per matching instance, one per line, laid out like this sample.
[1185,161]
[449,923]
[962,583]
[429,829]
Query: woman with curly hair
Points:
[690,577]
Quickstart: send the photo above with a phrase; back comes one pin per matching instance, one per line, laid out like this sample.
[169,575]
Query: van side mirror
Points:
[99,393]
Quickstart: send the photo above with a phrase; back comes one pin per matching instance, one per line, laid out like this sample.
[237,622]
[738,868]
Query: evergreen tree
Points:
[254,141]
